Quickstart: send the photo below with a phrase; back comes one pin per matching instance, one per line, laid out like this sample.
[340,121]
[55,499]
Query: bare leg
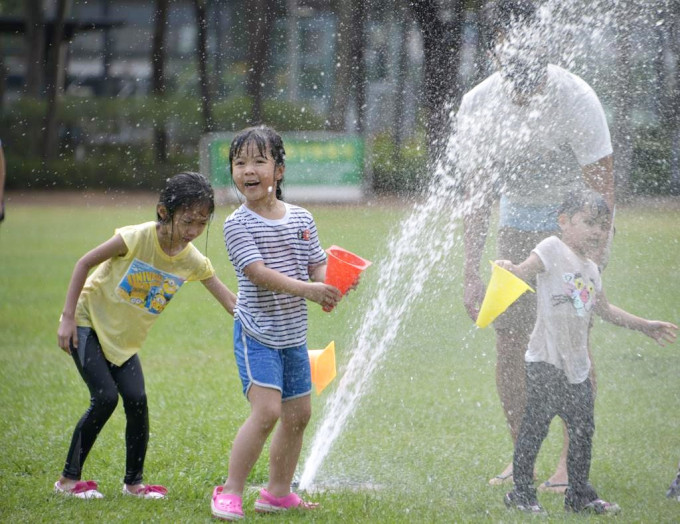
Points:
[265,409]
[287,444]
[511,344]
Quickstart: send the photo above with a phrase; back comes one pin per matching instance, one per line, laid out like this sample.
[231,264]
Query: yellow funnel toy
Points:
[504,288]
[322,362]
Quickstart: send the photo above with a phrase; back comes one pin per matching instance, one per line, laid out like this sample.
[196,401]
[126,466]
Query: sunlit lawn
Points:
[427,437]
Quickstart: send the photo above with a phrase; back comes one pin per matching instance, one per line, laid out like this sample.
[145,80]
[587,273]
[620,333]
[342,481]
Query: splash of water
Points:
[426,238]
[413,254]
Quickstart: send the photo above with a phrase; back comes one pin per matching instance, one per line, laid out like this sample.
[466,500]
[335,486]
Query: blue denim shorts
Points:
[286,370]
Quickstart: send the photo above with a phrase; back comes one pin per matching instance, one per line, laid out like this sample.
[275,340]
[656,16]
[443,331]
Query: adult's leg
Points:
[513,330]
[130,383]
[286,444]
[94,369]
[265,410]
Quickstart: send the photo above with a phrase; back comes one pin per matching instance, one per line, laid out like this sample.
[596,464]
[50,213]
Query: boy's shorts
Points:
[286,370]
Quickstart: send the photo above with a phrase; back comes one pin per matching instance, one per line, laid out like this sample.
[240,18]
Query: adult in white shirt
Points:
[527,135]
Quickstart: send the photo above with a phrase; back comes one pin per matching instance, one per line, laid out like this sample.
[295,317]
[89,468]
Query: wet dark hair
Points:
[186,190]
[584,200]
[268,143]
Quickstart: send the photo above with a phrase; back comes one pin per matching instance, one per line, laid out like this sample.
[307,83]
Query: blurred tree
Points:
[55,77]
[622,130]
[201,9]
[260,18]
[350,68]
[35,47]
[673,94]
[441,28]
[158,57]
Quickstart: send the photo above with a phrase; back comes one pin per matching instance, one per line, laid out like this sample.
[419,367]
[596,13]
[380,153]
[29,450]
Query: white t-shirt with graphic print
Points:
[566,293]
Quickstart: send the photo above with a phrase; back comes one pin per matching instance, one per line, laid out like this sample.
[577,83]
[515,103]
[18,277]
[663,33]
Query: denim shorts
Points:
[286,370]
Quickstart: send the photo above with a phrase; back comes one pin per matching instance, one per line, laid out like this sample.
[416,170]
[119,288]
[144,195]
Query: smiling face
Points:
[255,173]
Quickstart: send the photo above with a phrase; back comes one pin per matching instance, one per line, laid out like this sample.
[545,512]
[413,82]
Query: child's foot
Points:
[514,501]
[145,491]
[226,506]
[597,507]
[268,503]
[80,489]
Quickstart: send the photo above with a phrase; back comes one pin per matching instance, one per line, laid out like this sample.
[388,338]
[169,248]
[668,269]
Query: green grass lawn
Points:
[427,436]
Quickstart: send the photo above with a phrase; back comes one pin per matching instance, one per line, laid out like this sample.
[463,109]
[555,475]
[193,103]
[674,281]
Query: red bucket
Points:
[343,268]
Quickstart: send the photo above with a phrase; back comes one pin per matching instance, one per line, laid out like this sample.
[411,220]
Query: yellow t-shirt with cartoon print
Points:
[123,296]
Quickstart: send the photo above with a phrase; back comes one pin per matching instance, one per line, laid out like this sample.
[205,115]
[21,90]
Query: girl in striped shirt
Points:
[279,262]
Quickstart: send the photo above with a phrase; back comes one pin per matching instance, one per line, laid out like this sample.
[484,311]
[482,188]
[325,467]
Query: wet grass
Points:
[426,438]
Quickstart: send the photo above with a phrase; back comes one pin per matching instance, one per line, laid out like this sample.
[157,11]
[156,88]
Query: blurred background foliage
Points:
[118,93]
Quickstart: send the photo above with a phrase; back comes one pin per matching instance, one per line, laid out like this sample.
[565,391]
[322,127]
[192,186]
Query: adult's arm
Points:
[599,176]
[476,228]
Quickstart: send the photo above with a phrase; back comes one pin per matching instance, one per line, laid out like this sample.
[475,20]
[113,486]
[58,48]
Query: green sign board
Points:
[315,162]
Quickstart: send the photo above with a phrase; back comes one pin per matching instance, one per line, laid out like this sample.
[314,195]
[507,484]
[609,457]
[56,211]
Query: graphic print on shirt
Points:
[578,292]
[303,234]
[148,288]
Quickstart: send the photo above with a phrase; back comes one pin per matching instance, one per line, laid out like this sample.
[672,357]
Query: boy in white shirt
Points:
[569,289]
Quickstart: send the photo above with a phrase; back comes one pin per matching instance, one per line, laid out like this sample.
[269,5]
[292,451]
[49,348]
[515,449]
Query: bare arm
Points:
[222,293]
[527,270]
[67,325]
[599,176]
[262,276]
[476,227]
[662,332]
[318,273]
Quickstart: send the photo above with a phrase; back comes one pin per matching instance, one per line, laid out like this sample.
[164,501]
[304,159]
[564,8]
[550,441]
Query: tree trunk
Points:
[673,102]
[359,67]
[158,77]
[623,132]
[344,34]
[442,46]
[202,58]
[259,24]
[55,75]
[35,48]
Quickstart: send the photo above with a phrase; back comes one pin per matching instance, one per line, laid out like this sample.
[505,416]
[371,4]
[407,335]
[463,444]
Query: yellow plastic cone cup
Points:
[343,268]
[504,288]
[322,362]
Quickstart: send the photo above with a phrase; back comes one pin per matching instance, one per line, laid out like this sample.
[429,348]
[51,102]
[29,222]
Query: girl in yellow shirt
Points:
[107,316]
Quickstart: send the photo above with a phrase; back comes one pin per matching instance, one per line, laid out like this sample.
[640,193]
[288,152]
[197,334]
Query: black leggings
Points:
[550,394]
[105,381]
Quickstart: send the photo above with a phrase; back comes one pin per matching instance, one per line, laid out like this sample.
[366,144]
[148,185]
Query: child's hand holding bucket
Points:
[343,269]
[504,288]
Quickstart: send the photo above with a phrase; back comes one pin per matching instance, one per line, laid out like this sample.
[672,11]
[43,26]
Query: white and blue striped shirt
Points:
[290,246]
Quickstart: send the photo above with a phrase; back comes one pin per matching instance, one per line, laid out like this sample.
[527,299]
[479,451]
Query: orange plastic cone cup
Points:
[322,362]
[343,268]
[504,288]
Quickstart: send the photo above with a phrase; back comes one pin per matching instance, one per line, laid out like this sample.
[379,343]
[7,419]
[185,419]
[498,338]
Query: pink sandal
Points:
[226,506]
[150,491]
[268,503]
[83,489]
